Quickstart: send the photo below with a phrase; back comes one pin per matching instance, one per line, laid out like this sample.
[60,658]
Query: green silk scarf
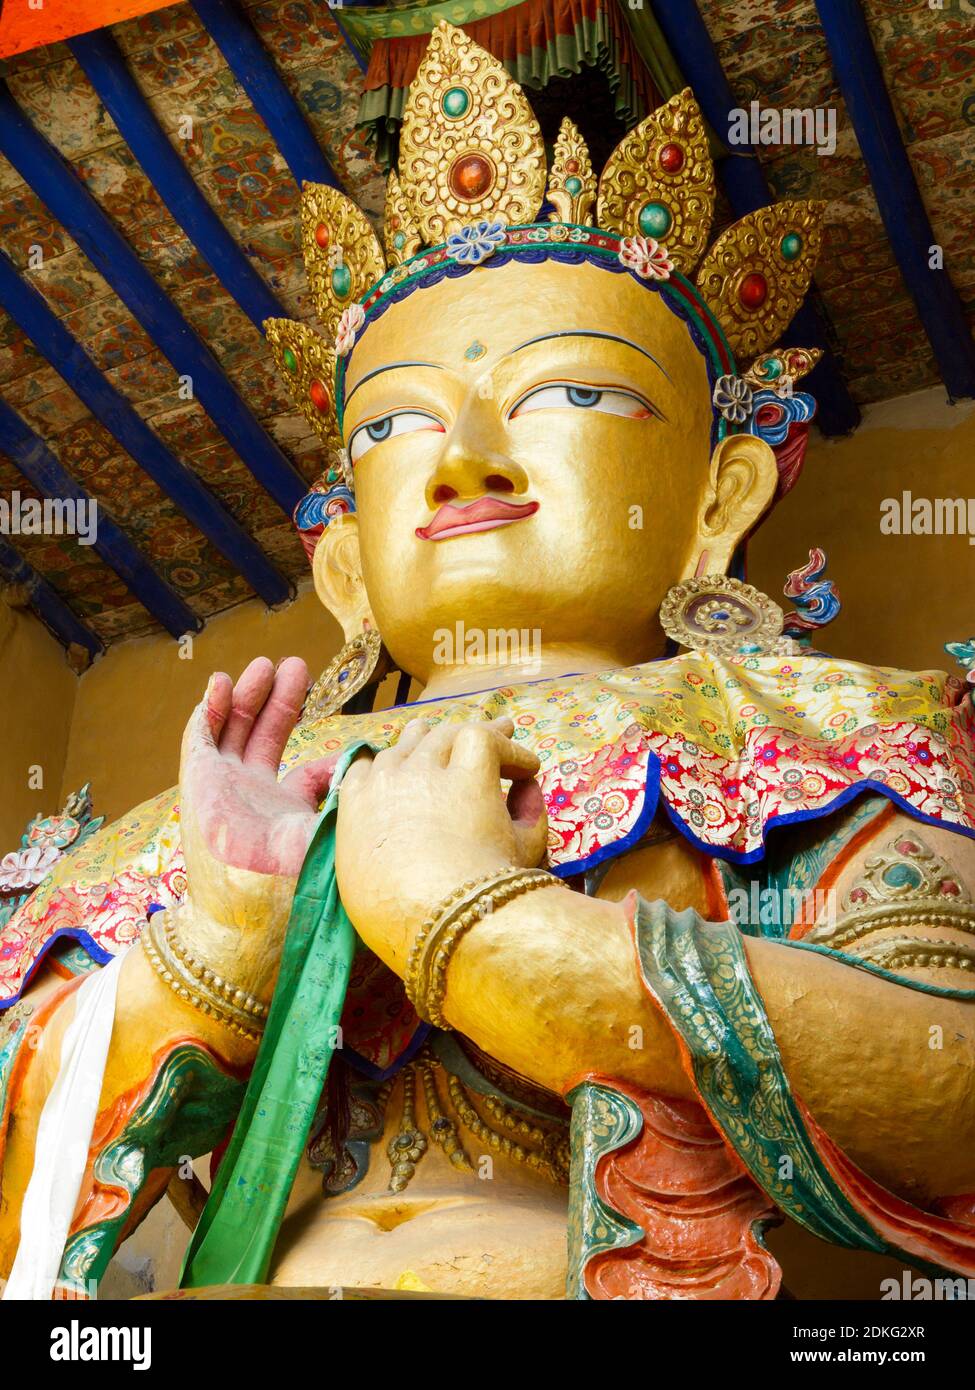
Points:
[234,1239]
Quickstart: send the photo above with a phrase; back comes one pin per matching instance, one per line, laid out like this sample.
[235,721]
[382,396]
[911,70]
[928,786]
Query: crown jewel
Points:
[470,147]
[471,180]
[659,182]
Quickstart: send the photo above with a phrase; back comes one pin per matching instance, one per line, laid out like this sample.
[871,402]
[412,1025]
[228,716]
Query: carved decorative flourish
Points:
[918,953]
[757,273]
[781,369]
[183,1108]
[343,257]
[43,844]
[571,181]
[659,182]
[670,1176]
[604,1120]
[345,675]
[400,232]
[904,884]
[817,602]
[307,364]
[722,615]
[470,147]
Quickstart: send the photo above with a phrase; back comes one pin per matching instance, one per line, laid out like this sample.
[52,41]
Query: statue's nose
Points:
[473,463]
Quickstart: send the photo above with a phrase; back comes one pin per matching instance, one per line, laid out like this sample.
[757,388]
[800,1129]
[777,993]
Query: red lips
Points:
[486,514]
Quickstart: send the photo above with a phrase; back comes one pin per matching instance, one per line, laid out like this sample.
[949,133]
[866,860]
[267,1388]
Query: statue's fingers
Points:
[250,692]
[215,707]
[436,748]
[408,740]
[485,751]
[433,748]
[278,714]
[526,807]
[205,724]
[357,773]
[312,780]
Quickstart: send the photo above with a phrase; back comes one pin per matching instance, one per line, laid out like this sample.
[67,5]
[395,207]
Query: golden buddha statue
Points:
[446,1038]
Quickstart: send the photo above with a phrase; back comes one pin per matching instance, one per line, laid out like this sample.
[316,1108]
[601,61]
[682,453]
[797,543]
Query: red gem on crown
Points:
[753,290]
[671,158]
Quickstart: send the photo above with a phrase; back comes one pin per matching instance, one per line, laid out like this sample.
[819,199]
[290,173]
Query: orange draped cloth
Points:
[24,25]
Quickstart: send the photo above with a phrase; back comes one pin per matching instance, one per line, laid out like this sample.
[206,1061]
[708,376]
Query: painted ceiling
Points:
[775,51]
[772,50]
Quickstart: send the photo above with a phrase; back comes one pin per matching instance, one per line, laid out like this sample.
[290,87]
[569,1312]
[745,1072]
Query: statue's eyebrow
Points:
[389,367]
[582,333]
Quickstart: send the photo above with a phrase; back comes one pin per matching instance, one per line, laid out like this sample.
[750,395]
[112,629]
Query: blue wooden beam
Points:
[746,187]
[254,69]
[57,185]
[104,65]
[39,466]
[47,604]
[909,230]
[30,310]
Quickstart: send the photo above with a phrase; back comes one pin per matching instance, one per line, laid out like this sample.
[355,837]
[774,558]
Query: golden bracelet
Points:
[438,937]
[197,984]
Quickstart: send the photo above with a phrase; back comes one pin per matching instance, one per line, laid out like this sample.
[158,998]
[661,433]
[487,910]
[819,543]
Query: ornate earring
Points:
[356,666]
[725,617]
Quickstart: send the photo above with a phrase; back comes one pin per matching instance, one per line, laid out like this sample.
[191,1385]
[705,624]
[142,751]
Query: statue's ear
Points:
[741,486]
[337,571]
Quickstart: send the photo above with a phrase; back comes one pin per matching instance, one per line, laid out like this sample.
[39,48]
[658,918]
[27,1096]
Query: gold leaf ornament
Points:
[343,257]
[400,232]
[470,147]
[307,364]
[659,182]
[757,273]
[571,181]
[781,368]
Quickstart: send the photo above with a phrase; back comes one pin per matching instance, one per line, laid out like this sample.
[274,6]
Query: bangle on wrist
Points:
[440,934]
[193,981]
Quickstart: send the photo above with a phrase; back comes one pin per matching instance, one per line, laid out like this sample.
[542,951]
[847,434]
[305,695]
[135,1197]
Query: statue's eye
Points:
[387,427]
[566,395]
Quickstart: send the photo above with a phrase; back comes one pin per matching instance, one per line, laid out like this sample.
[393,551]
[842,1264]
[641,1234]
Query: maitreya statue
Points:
[486,1023]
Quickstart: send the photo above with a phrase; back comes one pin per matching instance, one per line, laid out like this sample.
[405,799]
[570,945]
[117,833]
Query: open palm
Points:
[240,824]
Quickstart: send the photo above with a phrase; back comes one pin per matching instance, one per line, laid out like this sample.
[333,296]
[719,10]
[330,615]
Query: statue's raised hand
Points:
[244,832]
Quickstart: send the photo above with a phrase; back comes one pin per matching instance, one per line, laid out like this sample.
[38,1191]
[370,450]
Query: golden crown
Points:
[472,180]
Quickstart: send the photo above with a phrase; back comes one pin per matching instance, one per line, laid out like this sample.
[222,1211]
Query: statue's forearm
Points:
[549,984]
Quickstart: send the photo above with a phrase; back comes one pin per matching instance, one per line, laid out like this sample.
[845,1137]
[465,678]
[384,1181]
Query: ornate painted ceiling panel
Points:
[235,162]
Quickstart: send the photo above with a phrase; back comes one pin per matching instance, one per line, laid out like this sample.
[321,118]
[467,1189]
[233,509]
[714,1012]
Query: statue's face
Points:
[531,448]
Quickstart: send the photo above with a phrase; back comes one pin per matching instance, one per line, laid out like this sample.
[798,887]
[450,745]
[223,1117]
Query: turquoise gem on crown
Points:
[655,220]
[455,103]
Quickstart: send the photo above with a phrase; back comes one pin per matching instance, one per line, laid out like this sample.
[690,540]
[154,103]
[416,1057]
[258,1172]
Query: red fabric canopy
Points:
[514,32]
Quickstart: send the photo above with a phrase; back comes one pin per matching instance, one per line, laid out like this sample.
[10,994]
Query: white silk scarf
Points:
[64,1138]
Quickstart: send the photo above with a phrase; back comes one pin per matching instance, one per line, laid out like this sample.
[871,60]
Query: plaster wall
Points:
[903,596]
[37,696]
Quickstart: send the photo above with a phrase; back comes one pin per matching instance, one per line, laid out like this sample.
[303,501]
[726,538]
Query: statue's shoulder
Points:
[99,893]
